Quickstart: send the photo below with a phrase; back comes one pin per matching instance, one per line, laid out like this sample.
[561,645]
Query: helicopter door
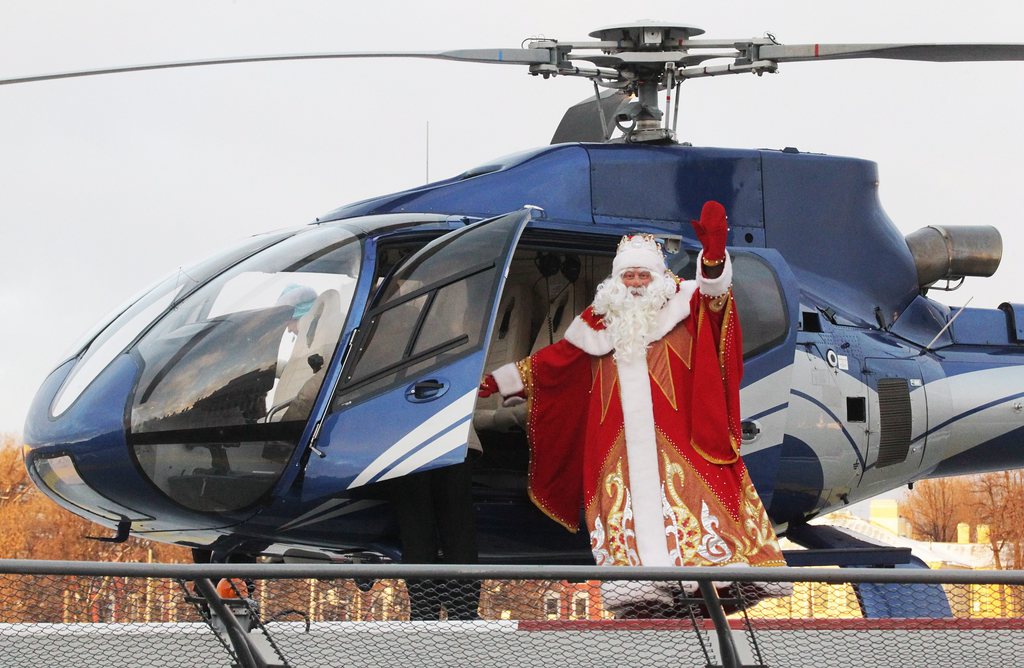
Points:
[407,390]
[767,301]
[897,415]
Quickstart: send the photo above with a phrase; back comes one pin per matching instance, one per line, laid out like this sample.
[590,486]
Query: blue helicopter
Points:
[251,404]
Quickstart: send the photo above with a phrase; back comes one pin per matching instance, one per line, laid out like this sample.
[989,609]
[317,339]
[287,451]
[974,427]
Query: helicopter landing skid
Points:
[236,622]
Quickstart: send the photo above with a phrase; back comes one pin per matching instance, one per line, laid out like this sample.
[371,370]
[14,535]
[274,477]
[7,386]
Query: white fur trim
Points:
[591,341]
[644,468]
[675,310]
[645,258]
[714,287]
[508,379]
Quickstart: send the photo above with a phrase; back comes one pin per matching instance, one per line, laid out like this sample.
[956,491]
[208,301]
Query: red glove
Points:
[487,387]
[711,231]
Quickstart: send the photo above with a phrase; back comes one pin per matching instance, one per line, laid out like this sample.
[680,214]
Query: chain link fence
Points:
[83,614]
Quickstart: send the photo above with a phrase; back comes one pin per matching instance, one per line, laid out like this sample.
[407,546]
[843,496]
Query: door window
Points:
[433,309]
[759,303]
[758,297]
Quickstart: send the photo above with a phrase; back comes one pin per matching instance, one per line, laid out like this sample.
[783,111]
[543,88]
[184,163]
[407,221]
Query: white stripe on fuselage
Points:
[763,395]
[349,508]
[442,445]
[954,397]
[459,410]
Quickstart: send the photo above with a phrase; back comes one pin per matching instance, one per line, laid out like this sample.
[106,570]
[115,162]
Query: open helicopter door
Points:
[405,398]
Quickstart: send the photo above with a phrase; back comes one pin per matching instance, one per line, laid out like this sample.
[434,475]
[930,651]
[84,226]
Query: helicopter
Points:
[179,421]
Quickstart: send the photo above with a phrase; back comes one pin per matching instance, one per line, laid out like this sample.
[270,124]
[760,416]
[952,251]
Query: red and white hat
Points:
[639,250]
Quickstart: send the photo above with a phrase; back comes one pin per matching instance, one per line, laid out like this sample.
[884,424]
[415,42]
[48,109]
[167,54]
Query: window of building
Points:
[580,605]
[552,605]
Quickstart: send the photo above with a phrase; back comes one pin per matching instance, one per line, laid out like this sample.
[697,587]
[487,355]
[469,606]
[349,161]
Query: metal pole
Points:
[675,108]
[725,643]
[506,572]
[669,83]
[948,325]
[239,638]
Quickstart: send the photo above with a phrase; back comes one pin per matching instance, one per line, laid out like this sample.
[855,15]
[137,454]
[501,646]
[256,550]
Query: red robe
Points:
[650,449]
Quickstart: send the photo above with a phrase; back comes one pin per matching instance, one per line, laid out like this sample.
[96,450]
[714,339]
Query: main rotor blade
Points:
[509,56]
[940,53]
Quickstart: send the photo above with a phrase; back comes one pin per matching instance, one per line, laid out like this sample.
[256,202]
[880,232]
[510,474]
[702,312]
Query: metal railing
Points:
[56,613]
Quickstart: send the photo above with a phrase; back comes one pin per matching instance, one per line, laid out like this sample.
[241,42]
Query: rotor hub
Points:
[647,35]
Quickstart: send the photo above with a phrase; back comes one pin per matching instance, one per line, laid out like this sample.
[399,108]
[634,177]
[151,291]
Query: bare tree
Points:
[935,507]
[999,503]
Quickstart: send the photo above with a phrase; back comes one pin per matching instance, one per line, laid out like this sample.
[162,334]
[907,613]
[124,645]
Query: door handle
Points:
[750,430]
[426,390]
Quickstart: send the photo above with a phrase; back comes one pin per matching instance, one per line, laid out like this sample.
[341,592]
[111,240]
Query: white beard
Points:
[631,314]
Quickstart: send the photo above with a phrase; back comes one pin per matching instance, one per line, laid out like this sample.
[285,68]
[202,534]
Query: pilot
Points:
[300,298]
[634,416]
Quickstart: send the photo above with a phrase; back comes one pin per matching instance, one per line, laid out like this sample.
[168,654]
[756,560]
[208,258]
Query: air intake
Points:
[896,418]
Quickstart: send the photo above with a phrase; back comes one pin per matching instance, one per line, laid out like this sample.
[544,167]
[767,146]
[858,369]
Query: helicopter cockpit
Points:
[230,367]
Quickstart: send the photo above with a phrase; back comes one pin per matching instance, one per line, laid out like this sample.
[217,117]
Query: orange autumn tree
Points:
[34,527]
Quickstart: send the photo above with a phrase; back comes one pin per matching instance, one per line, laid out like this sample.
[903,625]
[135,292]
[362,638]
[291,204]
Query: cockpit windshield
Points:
[230,374]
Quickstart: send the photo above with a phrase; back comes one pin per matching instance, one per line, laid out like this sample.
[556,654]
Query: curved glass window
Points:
[118,331]
[231,373]
[759,303]
[113,342]
[758,296]
[61,477]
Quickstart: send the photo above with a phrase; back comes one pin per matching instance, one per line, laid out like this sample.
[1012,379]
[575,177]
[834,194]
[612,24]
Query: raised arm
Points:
[718,369]
[714,276]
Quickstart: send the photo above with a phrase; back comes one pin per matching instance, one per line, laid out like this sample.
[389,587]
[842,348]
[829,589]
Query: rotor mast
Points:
[649,74]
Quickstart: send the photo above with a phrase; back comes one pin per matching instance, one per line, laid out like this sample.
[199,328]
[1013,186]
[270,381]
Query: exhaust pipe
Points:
[951,252]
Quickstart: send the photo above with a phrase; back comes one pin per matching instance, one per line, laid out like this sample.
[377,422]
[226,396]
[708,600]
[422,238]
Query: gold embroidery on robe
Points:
[661,372]
[680,342]
[616,506]
[682,529]
[699,529]
[606,378]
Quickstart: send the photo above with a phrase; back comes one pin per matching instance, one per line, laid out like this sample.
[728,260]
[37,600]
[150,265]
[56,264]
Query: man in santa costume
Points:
[634,416]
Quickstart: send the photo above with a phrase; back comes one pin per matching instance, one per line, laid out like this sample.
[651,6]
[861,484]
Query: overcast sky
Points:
[108,183]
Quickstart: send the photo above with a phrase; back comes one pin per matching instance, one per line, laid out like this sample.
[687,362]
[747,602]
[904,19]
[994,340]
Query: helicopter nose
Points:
[82,459]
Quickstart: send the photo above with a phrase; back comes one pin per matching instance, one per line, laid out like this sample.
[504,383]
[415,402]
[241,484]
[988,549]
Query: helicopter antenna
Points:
[948,325]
